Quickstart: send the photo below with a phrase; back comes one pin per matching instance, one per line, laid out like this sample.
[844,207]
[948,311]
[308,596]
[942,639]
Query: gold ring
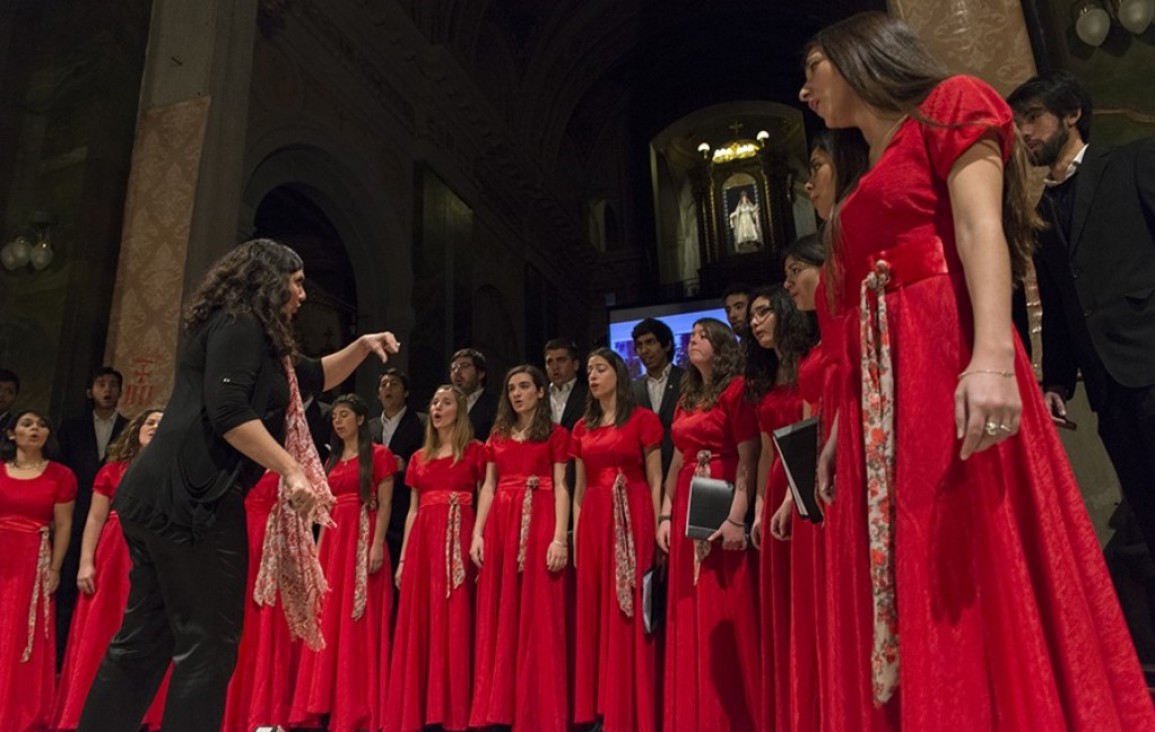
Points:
[1004,428]
[991,428]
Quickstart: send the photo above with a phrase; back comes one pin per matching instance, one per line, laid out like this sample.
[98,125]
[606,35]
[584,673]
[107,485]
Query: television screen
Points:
[680,316]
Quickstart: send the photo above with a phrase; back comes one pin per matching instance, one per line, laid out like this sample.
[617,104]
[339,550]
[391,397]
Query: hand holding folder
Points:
[797,446]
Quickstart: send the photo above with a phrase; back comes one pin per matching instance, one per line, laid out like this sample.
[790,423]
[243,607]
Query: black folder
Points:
[653,599]
[710,501]
[797,446]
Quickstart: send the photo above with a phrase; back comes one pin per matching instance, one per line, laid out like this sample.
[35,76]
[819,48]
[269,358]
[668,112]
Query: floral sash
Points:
[289,561]
[878,444]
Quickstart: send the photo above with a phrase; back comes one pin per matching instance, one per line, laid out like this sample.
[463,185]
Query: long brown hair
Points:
[728,363]
[541,423]
[127,444]
[462,427]
[794,336]
[623,393]
[252,279]
[360,408]
[889,68]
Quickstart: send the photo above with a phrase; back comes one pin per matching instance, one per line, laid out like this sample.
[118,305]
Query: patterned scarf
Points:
[289,560]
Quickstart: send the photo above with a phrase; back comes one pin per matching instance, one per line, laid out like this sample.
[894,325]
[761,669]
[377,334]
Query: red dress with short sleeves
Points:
[712,636]
[616,661]
[98,616]
[1006,614]
[343,679]
[431,673]
[261,689]
[26,514]
[781,406]
[520,659]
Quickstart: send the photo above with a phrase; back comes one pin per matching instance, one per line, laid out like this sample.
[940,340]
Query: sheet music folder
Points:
[710,500]
[797,446]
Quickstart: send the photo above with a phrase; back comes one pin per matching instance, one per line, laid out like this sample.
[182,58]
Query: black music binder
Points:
[797,446]
[710,501]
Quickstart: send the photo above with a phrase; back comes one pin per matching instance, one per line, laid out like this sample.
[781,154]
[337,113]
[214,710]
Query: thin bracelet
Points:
[995,372]
[735,523]
[663,517]
[562,544]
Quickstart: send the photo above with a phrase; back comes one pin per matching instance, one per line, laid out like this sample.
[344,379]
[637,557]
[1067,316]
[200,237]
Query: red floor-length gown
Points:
[97,617]
[431,674]
[1007,617]
[343,679]
[26,515]
[712,639]
[616,661]
[520,659]
[261,690]
[781,406]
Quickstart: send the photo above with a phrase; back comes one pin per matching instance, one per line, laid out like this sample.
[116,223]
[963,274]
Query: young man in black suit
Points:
[467,372]
[400,429]
[659,387]
[1096,270]
[567,392]
[83,442]
[9,390]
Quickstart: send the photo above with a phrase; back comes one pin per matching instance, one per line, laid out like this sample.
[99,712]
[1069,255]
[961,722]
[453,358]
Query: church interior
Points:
[460,172]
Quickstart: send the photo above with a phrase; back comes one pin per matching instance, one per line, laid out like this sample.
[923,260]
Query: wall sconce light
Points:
[704,148]
[1093,18]
[31,245]
[762,137]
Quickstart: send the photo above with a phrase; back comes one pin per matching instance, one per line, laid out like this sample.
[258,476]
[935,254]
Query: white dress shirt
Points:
[103,428]
[657,386]
[558,396]
[389,425]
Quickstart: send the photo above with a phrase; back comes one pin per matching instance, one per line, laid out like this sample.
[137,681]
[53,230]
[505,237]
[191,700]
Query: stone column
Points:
[184,189]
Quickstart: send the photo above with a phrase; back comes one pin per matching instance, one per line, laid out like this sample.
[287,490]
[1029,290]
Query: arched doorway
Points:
[328,318]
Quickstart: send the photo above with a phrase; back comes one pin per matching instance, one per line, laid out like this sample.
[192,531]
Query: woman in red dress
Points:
[781,336]
[431,672]
[342,681]
[712,667]
[261,689]
[521,551]
[103,581]
[36,499]
[618,469]
[969,532]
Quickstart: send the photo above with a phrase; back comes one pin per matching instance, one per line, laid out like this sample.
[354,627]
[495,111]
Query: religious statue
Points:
[744,224]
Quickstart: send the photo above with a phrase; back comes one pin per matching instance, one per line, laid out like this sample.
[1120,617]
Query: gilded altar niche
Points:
[745,215]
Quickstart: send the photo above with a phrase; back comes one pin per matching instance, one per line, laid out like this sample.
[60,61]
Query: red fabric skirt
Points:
[342,680]
[26,687]
[95,621]
[431,672]
[1007,616]
[616,661]
[520,665]
[775,575]
[712,664]
[261,689]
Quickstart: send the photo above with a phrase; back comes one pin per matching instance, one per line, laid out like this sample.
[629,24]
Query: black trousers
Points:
[186,605]
[1127,428]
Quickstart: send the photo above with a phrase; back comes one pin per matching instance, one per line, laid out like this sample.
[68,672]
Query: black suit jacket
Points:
[407,439]
[665,410]
[226,375]
[575,405]
[1097,285]
[77,438]
[483,414]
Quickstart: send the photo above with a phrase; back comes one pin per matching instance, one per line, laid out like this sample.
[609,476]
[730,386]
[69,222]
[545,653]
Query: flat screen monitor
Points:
[680,316]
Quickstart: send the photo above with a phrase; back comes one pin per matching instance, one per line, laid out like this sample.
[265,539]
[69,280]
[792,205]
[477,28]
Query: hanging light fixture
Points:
[1093,18]
[31,245]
